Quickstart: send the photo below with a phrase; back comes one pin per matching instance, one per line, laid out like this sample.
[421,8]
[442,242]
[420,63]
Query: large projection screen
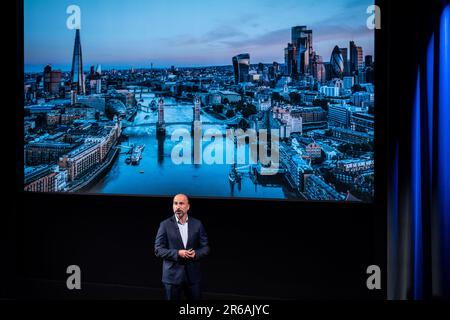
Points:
[233,99]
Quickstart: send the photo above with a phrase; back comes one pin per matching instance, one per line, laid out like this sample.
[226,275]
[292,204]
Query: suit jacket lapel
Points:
[190,232]
[177,232]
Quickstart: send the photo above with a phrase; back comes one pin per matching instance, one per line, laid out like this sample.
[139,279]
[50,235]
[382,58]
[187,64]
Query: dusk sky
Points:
[134,33]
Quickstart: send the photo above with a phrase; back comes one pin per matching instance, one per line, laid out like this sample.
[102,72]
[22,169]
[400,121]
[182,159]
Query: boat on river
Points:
[136,156]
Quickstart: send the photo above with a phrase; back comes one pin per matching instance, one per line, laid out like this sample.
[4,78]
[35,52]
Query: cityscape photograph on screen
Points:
[258,99]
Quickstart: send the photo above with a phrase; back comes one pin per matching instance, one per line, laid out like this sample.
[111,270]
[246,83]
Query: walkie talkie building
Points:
[241,65]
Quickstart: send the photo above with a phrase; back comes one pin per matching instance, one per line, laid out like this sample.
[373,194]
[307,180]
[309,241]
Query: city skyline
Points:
[211,40]
[91,132]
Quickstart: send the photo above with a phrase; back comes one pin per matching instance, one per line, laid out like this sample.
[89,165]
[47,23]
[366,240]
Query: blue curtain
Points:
[419,196]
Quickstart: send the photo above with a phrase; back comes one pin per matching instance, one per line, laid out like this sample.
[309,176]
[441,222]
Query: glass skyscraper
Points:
[77,66]
[356,58]
[336,63]
[241,65]
[302,40]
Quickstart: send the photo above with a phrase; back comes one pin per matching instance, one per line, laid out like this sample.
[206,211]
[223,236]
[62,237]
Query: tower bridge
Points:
[161,124]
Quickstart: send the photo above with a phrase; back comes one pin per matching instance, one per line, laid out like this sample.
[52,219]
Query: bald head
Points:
[181,196]
[180,205]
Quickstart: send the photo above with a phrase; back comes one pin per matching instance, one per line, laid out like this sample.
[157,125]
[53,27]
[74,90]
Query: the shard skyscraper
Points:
[77,66]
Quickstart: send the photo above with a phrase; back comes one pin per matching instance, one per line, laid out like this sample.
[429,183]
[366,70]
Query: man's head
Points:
[180,205]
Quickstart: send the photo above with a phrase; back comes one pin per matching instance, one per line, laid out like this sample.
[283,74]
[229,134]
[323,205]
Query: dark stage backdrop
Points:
[258,249]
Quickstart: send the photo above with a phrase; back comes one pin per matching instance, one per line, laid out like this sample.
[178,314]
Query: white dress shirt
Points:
[183,227]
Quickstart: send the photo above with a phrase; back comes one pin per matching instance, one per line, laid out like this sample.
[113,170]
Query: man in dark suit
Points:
[181,242]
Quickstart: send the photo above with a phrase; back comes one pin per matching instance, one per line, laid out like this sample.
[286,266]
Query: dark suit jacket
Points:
[168,242]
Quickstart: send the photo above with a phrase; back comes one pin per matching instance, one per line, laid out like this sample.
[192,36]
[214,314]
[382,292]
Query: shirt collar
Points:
[178,220]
